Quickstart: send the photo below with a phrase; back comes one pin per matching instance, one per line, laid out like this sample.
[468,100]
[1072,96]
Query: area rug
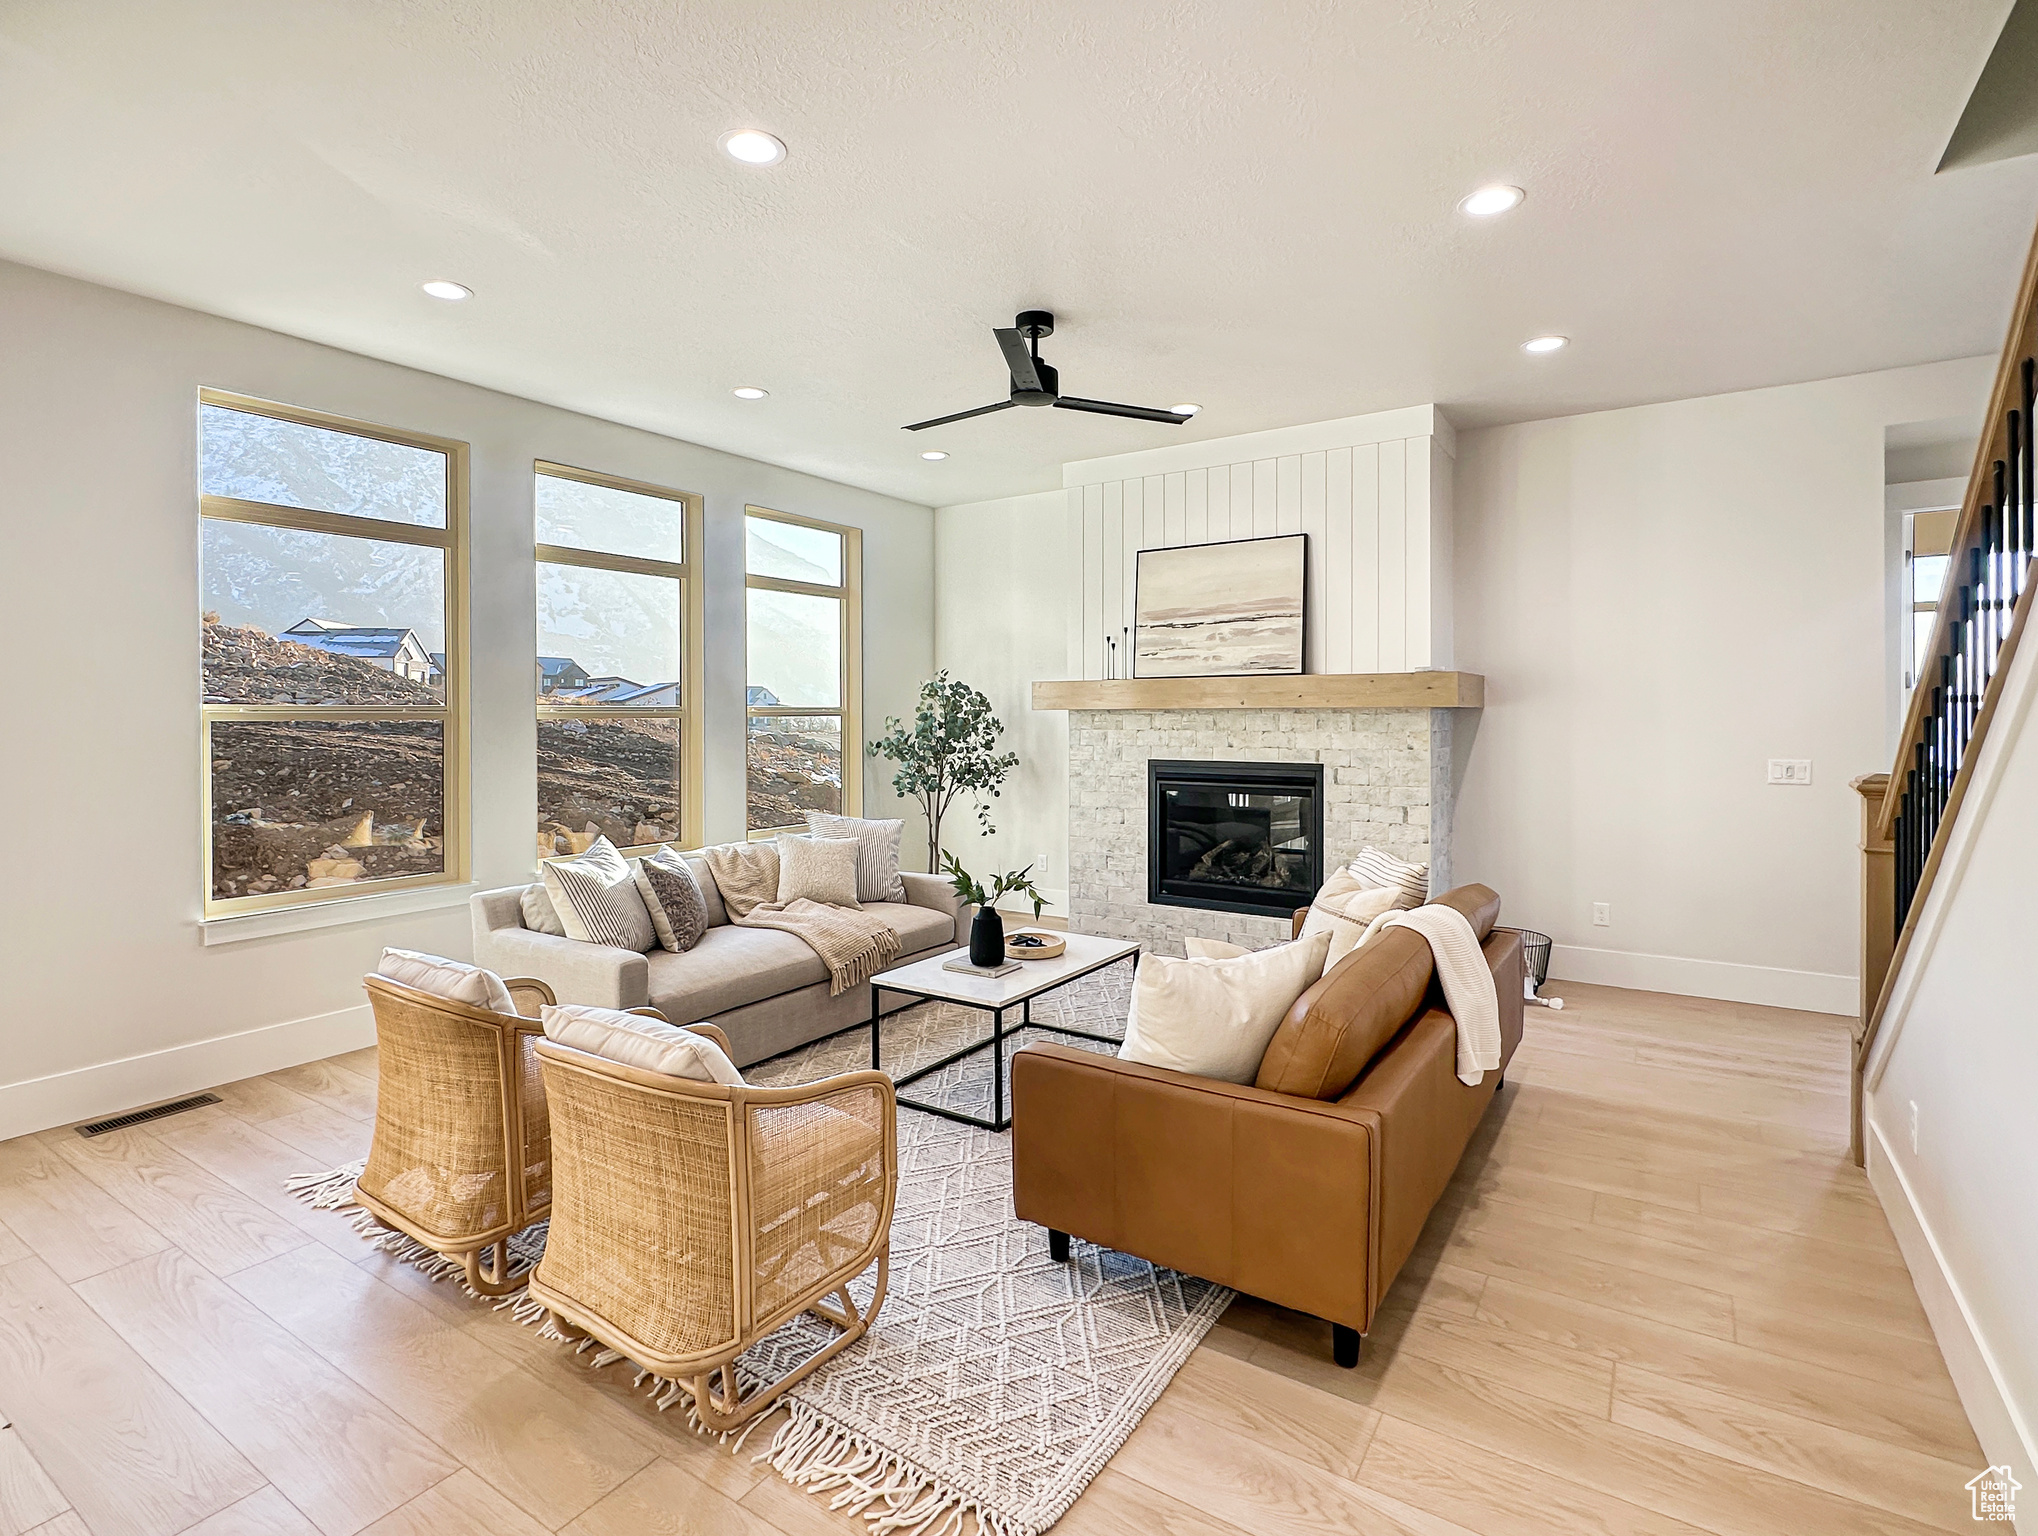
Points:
[995,1383]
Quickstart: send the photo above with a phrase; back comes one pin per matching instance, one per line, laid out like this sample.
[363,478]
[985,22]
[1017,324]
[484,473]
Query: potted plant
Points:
[987,928]
[950,749]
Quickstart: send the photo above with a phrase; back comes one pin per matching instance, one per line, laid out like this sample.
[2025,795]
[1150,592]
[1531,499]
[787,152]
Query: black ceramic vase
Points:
[987,938]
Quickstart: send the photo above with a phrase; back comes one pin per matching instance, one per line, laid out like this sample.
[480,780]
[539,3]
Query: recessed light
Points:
[1488,201]
[933,453]
[749,392]
[1546,344]
[1186,408]
[753,146]
[452,293]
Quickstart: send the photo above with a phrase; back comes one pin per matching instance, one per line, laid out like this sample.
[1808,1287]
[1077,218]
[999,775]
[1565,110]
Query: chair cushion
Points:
[632,1039]
[455,980]
[1213,1018]
[1341,1024]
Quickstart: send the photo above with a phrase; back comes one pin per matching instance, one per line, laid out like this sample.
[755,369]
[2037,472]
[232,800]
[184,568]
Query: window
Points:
[804,639]
[1926,562]
[618,729]
[332,570]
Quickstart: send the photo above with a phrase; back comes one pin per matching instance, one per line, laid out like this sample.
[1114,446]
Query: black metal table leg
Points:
[875,1016]
[998,1069]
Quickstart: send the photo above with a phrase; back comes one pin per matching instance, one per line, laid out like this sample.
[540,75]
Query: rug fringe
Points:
[328,1191]
[894,1497]
[334,1191]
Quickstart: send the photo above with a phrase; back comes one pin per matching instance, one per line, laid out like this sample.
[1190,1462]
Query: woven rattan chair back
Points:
[690,1219]
[462,1155]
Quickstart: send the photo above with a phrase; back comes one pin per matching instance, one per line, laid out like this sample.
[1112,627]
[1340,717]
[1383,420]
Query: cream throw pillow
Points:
[635,1040]
[454,980]
[1213,1018]
[1344,908]
[595,895]
[1213,949]
[877,852]
[1376,868]
[819,869]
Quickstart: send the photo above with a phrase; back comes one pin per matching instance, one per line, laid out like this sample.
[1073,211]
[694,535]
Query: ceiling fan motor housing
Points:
[1050,387]
[1035,323]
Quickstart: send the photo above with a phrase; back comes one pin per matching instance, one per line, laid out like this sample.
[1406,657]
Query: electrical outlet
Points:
[1914,1127]
[1040,868]
[1602,914]
[1790,770]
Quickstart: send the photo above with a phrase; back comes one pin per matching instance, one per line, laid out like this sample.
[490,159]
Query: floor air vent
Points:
[142,1116]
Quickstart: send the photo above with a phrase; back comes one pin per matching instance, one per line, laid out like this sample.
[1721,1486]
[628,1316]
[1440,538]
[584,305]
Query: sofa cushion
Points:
[1339,1025]
[718,914]
[812,868]
[877,852]
[1212,1018]
[596,897]
[538,913]
[732,966]
[672,898]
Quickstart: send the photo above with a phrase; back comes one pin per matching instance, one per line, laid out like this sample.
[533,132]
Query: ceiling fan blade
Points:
[942,421]
[1018,359]
[1106,408]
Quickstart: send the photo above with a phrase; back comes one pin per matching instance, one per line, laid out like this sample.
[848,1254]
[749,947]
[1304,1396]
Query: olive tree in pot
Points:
[949,750]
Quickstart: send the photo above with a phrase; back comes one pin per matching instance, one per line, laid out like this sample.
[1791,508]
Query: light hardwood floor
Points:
[1656,1300]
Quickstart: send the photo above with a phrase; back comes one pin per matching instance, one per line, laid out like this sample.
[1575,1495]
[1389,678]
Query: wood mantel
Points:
[1342,690]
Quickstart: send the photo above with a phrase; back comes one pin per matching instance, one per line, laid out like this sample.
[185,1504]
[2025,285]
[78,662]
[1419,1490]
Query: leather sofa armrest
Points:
[936,894]
[1271,1194]
[1295,923]
[596,974]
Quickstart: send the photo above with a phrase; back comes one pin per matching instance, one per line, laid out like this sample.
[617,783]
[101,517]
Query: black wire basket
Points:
[1535,958]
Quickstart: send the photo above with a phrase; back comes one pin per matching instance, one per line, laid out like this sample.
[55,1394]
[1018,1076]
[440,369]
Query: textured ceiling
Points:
[1250,205]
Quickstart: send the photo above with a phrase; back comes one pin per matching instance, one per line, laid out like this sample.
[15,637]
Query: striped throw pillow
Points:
[1374,868]
[596,897]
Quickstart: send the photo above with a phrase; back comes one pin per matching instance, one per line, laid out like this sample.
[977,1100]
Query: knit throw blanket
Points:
[855,945]
[1468,983]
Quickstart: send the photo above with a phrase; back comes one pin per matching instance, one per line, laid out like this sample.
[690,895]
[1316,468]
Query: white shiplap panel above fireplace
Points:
[1371,492]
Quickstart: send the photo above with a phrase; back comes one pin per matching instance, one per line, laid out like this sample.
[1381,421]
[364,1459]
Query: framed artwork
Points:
[1233,609]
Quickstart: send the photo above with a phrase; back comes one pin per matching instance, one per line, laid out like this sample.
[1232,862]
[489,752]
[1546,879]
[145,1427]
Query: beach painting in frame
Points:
[1220,610]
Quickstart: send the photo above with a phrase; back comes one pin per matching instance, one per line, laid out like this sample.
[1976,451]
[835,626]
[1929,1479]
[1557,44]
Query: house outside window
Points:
[618,666]
[804,646]
[332,581]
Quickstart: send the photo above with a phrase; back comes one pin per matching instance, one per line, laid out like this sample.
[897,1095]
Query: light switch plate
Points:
[1790,770]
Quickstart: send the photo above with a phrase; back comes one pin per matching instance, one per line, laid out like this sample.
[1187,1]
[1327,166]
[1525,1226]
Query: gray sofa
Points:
[767,990]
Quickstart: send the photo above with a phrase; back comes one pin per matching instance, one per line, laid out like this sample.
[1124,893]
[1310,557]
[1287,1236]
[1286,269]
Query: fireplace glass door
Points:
[1236,837]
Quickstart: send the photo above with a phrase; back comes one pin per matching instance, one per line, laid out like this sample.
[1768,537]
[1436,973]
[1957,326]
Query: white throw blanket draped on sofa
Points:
[1468,983]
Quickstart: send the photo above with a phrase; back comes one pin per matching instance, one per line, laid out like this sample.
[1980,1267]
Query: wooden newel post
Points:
[1878,930]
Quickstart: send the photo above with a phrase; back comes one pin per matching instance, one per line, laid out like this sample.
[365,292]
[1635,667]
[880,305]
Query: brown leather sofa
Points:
[1307,1189]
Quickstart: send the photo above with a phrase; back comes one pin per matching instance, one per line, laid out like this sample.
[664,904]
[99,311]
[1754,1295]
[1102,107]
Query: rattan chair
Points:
[689,1219]
[462,1156]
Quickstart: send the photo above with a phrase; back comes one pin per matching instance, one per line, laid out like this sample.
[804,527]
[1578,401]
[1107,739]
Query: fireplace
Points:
[1234,837]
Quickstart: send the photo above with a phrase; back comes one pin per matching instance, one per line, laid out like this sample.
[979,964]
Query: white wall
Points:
[1663,598]
[1004,598]
[112,993]
[1958,1043]
[1372,492]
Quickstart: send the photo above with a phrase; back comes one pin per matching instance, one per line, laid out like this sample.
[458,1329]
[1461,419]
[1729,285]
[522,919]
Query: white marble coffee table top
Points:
[928,978]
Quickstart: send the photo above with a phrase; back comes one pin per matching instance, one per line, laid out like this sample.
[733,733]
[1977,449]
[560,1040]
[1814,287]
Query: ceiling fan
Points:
[1035,383]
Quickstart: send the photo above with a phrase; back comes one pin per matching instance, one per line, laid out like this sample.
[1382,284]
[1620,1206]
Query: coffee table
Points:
[928,980]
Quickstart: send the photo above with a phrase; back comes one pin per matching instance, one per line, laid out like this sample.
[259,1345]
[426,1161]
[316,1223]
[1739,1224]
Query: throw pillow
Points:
[637,1040]
[1213,1018]
[672,899]
[540,916]
[819,869]
[596,898]
[1376,868]
[1213,949]
[1345,907]
[454,980]
[877,852]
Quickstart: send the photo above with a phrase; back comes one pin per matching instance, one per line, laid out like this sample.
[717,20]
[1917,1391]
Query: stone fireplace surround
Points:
[1387,783]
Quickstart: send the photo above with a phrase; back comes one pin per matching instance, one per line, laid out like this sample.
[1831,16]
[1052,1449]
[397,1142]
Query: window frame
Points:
[692,634]
[850,710]
[1940,532]
[451,541]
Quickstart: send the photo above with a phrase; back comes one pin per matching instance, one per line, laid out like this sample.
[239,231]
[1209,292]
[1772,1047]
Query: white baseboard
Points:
[114,1087]
[1771,986]
[2005,1438]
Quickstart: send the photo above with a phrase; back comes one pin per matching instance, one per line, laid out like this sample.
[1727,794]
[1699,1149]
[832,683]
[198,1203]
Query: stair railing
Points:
[1982,612]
